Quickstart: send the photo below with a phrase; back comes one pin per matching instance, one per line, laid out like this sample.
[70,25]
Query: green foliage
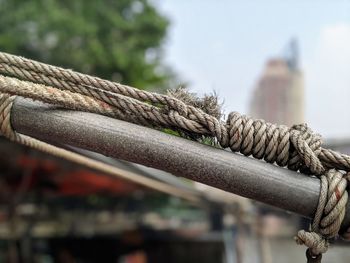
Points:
[114,39]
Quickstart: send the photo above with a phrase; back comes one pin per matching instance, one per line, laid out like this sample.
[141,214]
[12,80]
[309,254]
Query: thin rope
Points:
[297,148]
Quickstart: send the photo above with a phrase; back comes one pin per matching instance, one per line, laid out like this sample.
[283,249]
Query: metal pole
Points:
[231,172]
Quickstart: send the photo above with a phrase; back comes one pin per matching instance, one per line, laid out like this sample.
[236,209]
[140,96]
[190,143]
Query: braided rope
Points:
[297,147]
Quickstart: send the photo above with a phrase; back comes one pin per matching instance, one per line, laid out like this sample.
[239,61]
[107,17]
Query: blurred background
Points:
[284,61]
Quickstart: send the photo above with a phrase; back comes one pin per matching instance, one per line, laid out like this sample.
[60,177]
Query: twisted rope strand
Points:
[63,76]
[126,109]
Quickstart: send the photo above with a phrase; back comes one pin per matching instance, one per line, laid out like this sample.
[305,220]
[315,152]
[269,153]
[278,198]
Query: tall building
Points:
[278,96]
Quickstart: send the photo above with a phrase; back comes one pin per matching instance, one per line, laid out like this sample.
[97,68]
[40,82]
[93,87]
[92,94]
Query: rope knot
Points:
[306,149]
[317,244]
[258,138]
[296,147]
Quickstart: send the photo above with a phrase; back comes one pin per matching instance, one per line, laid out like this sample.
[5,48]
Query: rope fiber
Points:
[297,148]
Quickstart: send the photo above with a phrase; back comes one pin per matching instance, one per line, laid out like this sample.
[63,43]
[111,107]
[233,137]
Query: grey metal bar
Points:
[231,172]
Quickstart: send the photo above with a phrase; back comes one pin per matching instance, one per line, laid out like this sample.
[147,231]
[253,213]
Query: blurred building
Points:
[279,93]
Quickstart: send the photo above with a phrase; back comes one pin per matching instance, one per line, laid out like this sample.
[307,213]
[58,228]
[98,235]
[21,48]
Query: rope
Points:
[297,148]
[294,147]
[329,214]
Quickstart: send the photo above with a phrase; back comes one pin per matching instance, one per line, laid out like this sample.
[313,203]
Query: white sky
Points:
[222,45]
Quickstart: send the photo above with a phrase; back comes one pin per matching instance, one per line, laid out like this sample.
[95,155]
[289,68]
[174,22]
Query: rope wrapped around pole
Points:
[296,148]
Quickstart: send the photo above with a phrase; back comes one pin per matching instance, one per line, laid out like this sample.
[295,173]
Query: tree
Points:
[113,39]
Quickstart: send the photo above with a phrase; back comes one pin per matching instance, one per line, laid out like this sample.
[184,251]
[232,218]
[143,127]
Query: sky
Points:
[223,45]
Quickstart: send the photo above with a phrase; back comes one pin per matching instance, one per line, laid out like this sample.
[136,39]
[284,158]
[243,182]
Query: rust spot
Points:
[51,90]
[104,105]
[337,193]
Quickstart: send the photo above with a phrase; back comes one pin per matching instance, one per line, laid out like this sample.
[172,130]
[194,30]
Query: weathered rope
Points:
[329,214]
[275,143]
[297,147]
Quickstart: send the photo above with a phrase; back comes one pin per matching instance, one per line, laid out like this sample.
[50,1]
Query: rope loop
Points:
[329,214]
[6,130]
